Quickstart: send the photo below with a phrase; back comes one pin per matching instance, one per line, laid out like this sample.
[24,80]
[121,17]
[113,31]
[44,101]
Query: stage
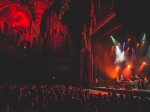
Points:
[122,91]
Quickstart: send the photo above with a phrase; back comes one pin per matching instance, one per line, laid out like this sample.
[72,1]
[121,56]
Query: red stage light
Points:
[117,68]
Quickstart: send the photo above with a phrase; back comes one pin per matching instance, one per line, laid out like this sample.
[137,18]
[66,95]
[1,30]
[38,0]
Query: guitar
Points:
[121,78]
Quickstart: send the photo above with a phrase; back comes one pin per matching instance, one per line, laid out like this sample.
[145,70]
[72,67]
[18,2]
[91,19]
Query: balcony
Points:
[13,51]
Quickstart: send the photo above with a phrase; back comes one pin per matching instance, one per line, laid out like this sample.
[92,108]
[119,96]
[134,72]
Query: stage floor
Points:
[122,91]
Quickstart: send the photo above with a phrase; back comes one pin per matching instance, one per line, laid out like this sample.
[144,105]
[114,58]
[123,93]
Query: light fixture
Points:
[144,63]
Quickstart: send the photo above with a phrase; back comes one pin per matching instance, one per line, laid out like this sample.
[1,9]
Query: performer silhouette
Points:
[138,81]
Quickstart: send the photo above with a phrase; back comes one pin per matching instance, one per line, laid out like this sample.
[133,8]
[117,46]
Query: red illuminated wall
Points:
[58,31]
[16,16]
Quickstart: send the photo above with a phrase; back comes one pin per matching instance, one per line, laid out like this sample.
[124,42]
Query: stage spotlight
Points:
[143,42]
[127,50]
[112,47]
[123,46]
[128,40]
[118,53]
[129,66]
[145,78]
[114,41]
[144,63]
[133,55]
[121,57]
[117,68]
[137,45]
[144,37]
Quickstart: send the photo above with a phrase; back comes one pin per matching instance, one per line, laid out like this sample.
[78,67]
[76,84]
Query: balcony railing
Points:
[13,51]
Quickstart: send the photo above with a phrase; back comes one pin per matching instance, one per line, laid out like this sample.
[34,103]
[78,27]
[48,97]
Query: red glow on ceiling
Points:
[15,16]
[39,7]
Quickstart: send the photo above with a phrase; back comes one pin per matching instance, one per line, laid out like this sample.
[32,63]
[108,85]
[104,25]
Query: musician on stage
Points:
[121,78]
[132,78]
[137,79]
[115,80]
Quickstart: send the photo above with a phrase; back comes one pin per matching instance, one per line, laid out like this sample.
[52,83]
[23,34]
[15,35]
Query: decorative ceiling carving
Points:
[16,17]
[38,7]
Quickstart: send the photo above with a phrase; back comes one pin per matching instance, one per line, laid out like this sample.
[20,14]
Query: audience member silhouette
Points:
[60,98]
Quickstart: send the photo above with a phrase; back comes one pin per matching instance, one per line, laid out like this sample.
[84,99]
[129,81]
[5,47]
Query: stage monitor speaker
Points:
[116,87]
[131,83]
[146,84]
[128,87]
[126,82]
[108,86]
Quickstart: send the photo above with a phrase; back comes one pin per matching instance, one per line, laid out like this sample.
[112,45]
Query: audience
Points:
[61,98]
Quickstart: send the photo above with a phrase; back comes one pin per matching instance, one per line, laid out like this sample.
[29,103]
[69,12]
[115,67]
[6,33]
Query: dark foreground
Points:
[61,98]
